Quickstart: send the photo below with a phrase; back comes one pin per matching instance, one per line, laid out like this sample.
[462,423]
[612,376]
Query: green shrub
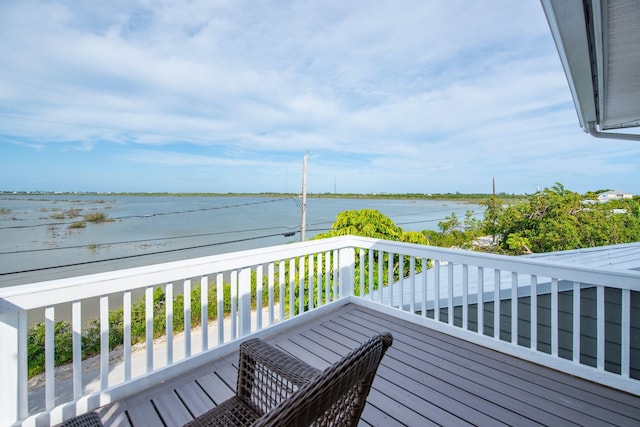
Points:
[63,339]
[96,217]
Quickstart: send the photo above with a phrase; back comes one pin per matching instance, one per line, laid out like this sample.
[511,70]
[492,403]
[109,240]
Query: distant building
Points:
[613,195]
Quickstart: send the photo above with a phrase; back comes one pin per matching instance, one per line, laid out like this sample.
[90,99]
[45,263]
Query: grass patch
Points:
[73,213]
[96,217]
[78,224]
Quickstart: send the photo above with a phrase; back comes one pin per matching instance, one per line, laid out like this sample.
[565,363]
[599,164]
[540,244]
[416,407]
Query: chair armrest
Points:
[268,375]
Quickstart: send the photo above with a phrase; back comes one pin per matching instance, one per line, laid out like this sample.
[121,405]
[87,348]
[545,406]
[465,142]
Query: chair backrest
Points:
[338,395]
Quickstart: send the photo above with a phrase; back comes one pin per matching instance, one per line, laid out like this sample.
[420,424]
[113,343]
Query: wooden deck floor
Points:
[426,378]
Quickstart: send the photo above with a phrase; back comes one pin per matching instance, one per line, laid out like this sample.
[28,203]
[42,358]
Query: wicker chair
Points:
[90,419]
[276,389]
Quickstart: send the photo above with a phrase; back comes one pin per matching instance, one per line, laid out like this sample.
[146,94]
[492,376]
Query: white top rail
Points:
[26,297]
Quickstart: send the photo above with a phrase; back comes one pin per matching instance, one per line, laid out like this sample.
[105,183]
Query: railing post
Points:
[12,367]
[347,270]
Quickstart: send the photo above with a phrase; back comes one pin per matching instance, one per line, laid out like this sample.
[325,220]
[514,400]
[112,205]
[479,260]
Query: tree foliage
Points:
[456,233]
[371,223]
[557,219]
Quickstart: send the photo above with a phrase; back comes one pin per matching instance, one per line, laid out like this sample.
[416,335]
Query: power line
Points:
[146,240]
[142,255]
[96,245]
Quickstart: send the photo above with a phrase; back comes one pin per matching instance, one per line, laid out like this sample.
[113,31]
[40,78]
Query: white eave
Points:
[599,46]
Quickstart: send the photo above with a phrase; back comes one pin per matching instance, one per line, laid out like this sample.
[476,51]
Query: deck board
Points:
[426,378]
[194,398]
[577,400]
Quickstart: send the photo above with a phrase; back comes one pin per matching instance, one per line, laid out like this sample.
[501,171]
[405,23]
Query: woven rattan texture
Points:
[276,389]
[90,419]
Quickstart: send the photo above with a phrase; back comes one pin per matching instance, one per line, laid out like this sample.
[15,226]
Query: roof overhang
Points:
[599,46]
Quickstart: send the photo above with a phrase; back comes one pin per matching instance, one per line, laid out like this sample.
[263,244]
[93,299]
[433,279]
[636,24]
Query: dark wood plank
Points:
[530,389]
[373,416]
[195,399]
[467,390]
[144,415]
[416,383]
[171,409]
[215,388]
[480,389]
[411,409]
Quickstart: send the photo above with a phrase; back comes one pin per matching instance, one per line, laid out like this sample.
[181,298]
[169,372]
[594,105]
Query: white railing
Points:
[241,293]
[571,318]
[235,294]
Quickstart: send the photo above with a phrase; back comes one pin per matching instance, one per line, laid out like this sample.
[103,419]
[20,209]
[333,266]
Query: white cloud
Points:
[393,90]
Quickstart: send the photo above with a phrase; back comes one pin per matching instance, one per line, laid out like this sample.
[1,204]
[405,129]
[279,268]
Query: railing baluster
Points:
[148,301]
[126,321]
[576,322]
[187,317]
[465,296]
[104,342]
[370,256]
[401,280]
[425,265]
[234,304]
[380,275]
[362,287]
[533,324]
[554,317]
[271,284]
[292,287]
[436,290]
[281,279]
[412,284]
[336,269]
[480,304]
[311,282]
[168,306]
[76,325]
[601,327]
[259,272]
[301,283]
[220,303]
[450,293]
[496,304]
[390,277]
[625,333]
[204,312]
[327,276]
[514,307]
[49,351]
[320,283]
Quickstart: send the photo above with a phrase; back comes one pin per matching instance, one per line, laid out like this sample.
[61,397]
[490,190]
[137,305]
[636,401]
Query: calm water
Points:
[33,240]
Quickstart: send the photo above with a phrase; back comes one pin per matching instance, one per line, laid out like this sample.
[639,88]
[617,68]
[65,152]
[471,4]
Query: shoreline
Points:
[458,197]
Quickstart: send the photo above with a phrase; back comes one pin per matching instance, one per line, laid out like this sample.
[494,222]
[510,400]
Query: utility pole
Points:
[303,225]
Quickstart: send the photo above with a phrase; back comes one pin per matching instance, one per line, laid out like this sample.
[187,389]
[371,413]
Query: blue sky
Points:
[227,96]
